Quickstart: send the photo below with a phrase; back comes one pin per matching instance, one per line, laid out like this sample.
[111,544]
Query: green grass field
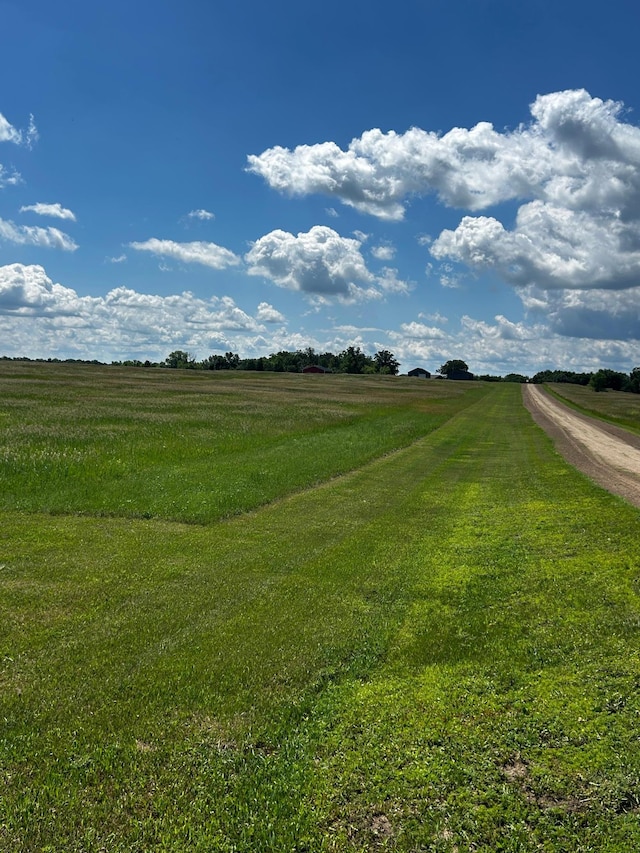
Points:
[281,613]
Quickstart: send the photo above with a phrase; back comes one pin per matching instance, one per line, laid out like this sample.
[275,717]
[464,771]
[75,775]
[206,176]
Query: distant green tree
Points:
[330,361]
[283,362]
[179,358]
[603,379]
[566,376]
[616,380]
[598,381]
[386,362]
[633,383]
[215,362]
[515,377]
[353,360]
[451,366]
[308,356]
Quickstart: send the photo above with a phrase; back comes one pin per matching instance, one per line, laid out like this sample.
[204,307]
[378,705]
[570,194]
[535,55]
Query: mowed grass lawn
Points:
[427,640]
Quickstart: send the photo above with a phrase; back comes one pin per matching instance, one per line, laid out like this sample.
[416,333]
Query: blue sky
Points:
[441,180]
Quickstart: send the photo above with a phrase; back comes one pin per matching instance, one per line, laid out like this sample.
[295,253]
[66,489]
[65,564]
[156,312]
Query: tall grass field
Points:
[246,612]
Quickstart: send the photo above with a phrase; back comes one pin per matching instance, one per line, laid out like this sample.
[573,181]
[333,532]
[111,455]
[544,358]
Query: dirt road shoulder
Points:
[607,454]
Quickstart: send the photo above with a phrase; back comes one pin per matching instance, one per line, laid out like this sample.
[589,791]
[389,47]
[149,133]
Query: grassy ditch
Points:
[438,650]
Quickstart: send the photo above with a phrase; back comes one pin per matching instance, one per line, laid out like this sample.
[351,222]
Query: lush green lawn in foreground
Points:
[436,651]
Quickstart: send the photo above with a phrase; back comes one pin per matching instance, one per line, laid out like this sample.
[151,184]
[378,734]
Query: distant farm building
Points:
[420,373]
[315,368]
[460,374]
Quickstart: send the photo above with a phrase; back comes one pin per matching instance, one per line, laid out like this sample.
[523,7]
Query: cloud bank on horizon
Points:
[562,194]
[123,320]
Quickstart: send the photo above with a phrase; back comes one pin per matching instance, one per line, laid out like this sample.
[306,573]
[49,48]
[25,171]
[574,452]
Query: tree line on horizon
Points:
[350,360]
[600,380]
[353,360]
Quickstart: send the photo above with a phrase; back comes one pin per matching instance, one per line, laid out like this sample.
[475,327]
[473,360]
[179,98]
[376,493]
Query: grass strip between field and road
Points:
[438,650]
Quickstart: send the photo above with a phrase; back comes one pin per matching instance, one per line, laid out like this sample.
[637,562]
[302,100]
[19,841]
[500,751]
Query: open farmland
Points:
[244,612]
[192,445]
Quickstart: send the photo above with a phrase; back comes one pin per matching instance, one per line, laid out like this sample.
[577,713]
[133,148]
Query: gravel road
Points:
[607,454]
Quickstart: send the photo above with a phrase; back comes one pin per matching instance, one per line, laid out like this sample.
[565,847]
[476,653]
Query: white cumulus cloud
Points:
[384,252]
[576,150]
[208,254]
[268,314]
[55,210]
[29,235]
[9,177]
[550,246]
[420,331]
[319,262]
[503,330]
[573,170]
[9,133]
[27,290]
[389,282]
[201,214]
